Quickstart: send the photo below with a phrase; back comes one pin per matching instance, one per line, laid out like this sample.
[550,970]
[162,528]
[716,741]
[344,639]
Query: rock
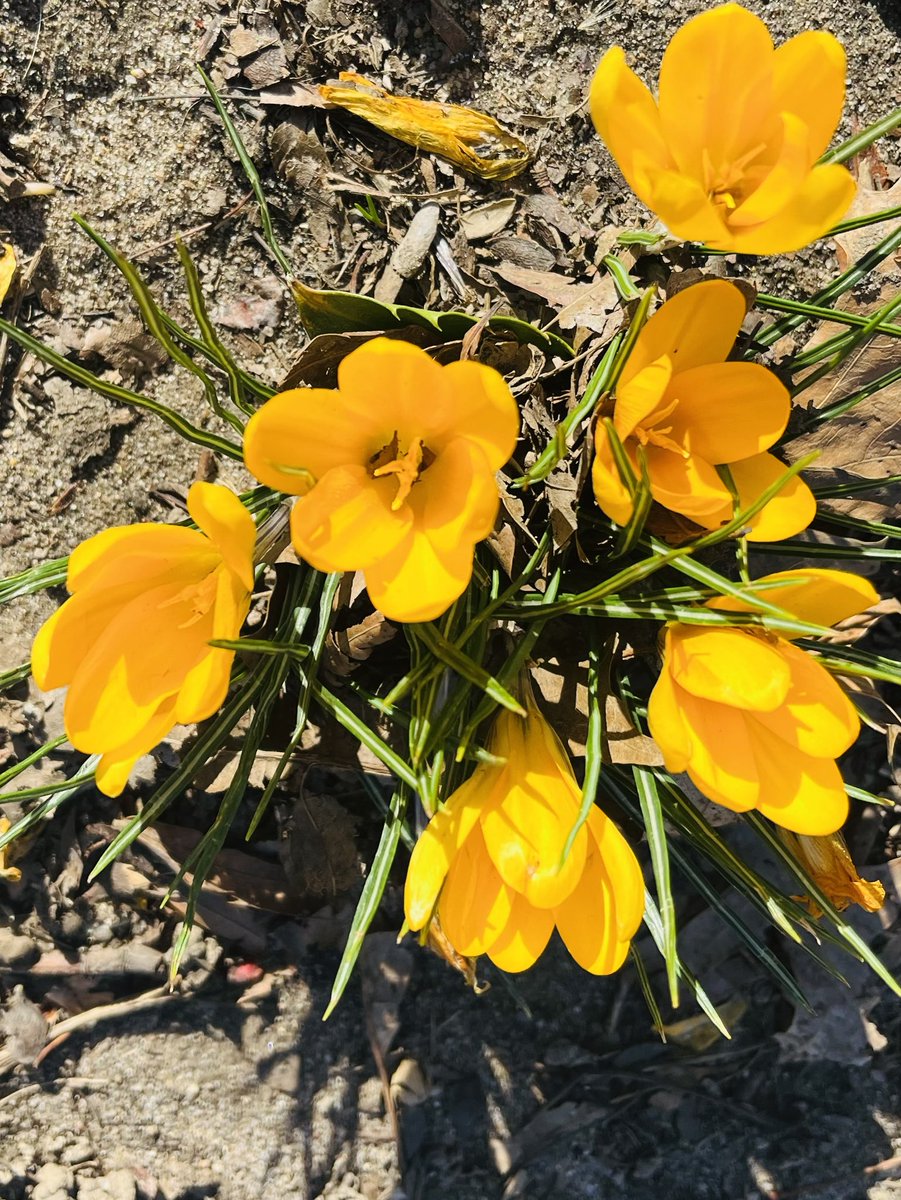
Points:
[117,1185]
[53,1182]
[16,950]
[79,1151]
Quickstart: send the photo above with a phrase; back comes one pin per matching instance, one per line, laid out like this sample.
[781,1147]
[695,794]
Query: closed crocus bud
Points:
[132,642]
[727,153]
[756,722]
[491,863]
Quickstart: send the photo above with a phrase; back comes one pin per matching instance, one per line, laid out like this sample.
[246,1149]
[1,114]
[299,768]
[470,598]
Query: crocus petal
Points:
[63,639]
[715,82]
[637,399]
[485,412]
[685,207]
[456,499]
[819,596]
[665,722]
[610,492]
[408,390]
[346,521]
[728,666]
[699,325]
[475,905]
[625,115]
[142,555]
[442,838]
[227,523]
[781,181]
[789,512]
[523,941]
[797,791]
[823,199]
[299,435]
[622,869]
[817,717]
[586,921]
[687,485]
[809,81]
[728,411]
[527,828]
[141,658]
[728,778]
[116,765]
[205,686]
[414,582]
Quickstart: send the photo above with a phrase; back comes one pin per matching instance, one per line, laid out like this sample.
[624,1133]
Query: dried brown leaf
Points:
[347,648]
[864,442]
[488,219]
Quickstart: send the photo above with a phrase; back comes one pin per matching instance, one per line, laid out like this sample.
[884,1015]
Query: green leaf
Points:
[454,658]
[361,731]
[371,898]
[866,137]
[345,312]
[646,786]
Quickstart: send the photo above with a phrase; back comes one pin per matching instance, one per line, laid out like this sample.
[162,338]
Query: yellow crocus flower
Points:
[690,410]
[727,152]
[131,643]
[491,864]
[755,721]
[395,470]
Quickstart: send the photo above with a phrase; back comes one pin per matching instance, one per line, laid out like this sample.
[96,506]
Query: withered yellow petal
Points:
[471,139]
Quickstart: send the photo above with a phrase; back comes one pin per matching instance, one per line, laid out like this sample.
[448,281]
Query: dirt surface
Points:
[552,1085]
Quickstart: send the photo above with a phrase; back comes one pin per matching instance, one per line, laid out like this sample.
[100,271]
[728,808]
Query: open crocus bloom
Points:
[726,154]
[754,720]
[492,860]
[131,643]
[395,470]
[692,411]
[830,866]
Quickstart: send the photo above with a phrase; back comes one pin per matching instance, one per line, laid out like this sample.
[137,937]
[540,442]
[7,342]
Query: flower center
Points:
[406,466]
[728,185]
[199,597]
[655,432]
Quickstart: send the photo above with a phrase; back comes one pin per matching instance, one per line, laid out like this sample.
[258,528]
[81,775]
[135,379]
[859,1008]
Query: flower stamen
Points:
[407,466]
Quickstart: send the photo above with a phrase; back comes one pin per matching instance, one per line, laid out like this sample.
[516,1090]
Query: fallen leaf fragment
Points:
[471,139]
[7,269]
